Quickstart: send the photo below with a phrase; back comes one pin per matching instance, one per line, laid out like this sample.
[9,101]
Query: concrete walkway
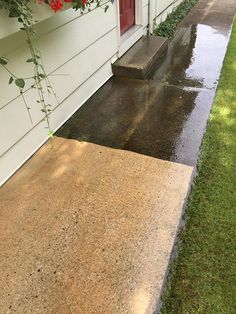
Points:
[164,117]
[86,228]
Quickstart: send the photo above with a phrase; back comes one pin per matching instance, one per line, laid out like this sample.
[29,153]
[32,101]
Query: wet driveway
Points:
[164,117]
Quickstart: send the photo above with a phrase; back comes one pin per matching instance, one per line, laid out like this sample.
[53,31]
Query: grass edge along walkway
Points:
[203,276]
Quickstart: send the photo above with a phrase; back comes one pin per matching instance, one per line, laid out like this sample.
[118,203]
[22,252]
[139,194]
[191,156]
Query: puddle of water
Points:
[146,117]
[164,117]
[196,59]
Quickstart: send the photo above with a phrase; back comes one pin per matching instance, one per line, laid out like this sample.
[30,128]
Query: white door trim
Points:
[129,38]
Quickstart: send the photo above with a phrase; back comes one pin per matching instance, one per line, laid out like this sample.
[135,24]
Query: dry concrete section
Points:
[88,229]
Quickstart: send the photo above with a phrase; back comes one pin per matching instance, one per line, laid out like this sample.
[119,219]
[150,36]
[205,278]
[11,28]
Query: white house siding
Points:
[163,8]
[145,5]
[77,51]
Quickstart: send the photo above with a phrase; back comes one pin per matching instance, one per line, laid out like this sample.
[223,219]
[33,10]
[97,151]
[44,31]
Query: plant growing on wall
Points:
[21,10]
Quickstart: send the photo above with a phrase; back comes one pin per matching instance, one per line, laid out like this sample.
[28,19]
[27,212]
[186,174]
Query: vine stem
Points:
[21,93]
[9,71]
[26,106]
[39,75]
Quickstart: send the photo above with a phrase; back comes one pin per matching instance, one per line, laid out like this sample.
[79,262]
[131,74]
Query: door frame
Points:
[133,34]
[128,19]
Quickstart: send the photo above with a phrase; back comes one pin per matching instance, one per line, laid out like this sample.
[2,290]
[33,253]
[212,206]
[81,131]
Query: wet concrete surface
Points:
[140,61]
[145,117]
[217,15]
[164,117]
[196,60]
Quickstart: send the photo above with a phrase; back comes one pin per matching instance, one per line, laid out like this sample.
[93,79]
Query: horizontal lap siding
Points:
[162,5]
[58,46]
[67,78]
[163,8]
[77,53]
[156,11]
[76,50]
[24,148]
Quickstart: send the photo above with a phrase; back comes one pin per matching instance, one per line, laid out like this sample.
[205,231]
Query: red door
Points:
[126,14]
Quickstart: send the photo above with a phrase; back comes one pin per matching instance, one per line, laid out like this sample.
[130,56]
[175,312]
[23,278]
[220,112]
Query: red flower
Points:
[84,1]
[56,5]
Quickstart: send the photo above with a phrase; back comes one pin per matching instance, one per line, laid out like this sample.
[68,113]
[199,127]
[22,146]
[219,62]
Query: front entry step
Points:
[142,59]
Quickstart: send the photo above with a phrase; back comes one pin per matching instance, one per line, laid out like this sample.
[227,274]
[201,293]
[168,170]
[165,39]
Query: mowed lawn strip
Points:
[203,276]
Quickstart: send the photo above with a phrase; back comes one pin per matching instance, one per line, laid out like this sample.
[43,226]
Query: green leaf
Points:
[31,60]
[3,61]
[11,80]
[20,83]
[14,13]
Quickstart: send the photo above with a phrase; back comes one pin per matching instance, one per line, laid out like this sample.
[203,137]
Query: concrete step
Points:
[142,59]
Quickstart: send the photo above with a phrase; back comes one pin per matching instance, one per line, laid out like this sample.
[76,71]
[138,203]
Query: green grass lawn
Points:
[203,277]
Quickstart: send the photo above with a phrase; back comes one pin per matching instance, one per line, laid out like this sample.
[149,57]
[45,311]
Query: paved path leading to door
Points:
[86,228]
[164,117]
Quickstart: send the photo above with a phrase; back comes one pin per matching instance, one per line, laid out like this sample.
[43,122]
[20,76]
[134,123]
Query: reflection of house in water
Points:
[192,60]
[179,56]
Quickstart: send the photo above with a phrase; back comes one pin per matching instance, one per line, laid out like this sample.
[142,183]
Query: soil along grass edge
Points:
[168,27]
[202,278]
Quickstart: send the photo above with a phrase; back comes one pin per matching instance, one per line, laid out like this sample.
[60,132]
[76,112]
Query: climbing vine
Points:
[21,10]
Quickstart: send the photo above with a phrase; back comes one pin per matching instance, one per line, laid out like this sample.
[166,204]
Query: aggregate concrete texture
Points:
[88,229]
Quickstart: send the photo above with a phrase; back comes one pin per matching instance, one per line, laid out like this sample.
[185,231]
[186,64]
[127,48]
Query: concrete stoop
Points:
[142,59]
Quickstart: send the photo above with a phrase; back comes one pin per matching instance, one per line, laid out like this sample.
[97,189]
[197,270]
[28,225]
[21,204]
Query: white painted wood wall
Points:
[163,8]
[77,51]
